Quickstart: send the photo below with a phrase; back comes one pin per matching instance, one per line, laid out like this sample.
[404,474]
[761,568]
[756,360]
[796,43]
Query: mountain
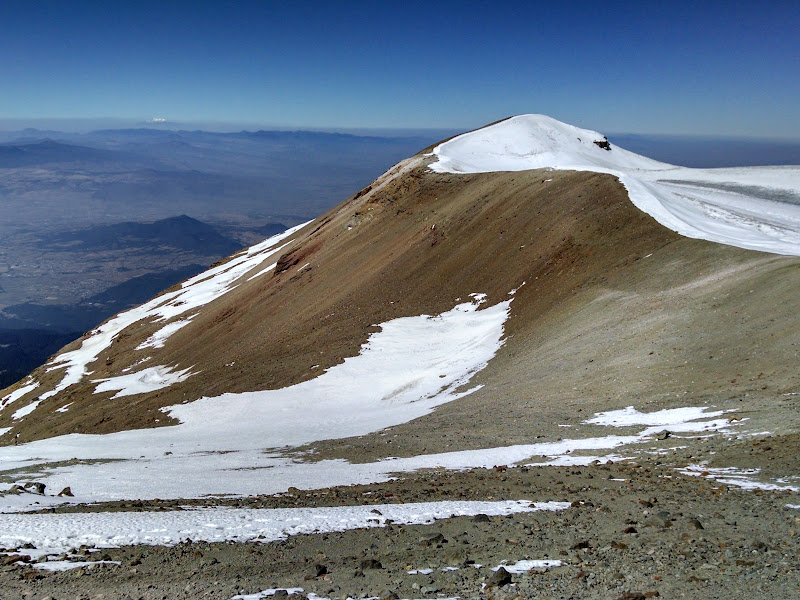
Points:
[523,312]
[50,152]
[174,233]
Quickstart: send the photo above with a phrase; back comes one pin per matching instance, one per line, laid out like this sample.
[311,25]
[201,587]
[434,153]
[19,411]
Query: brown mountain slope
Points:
[615,308]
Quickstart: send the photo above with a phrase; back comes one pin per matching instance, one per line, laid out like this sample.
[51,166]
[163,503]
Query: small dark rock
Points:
[695,524]
[630,530]
[481,518]
[66,492]
[431,539]
[371,563]
[603,144]
[499,578]
[36,486]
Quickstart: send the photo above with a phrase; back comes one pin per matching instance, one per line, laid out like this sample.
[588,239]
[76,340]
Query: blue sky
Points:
[728,68]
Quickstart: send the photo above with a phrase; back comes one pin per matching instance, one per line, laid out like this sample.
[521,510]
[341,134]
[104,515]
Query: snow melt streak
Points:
[194,293]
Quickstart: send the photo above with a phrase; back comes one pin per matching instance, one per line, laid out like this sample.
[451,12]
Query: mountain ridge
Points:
[410,190]
[440,344]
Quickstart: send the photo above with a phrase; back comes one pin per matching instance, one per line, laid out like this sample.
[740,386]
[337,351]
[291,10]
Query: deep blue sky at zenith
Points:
[730,68]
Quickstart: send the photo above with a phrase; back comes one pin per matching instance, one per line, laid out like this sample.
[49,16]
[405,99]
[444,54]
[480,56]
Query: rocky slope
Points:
[605,309]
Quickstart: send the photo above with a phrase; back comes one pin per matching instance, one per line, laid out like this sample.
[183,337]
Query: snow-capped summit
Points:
[534,142]
[757,208]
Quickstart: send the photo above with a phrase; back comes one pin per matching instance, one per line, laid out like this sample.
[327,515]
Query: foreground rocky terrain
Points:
[634,531]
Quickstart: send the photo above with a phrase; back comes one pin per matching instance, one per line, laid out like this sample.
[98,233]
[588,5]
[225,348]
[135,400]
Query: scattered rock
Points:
[499,578]
[432,539]
[695,524]
[36,486]
[371,563]
[66,492]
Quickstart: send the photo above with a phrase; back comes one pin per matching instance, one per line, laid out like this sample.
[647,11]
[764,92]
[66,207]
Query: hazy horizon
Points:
[639,68]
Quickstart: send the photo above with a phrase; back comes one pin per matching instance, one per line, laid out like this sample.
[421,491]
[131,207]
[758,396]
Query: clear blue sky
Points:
[728,68]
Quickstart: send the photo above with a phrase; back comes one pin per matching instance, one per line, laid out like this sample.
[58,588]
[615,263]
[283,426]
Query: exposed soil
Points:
[615,311]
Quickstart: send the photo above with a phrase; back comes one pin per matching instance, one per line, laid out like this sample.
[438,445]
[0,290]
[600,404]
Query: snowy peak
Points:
[757,208]
[534,142]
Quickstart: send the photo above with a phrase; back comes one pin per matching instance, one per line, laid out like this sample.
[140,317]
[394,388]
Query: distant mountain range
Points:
[173,233]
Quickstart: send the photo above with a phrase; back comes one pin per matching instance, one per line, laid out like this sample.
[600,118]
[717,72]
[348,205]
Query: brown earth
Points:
[604,283]
[615,311]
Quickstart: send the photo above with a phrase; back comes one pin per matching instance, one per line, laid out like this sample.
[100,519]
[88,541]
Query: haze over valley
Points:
[97,222]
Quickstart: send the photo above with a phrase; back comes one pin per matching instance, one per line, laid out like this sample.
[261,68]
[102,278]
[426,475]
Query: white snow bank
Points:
[194,293]
[25,410]
[741,478]
[268,593]
[159,338]
[146,380]
[523,566]
[629,416]
[410,366]
[66,565]
[58,533]
[184,470]
[757,208]
[19,392]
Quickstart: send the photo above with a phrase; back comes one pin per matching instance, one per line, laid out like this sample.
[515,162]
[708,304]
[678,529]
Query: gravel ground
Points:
[636,529]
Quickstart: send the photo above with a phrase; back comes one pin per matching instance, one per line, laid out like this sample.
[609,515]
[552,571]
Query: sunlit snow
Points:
[750,207]
[224,444]
[58,533]
[193,293]
[140,382]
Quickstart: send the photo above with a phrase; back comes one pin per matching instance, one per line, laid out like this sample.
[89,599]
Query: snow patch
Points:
[19,393]
[629,416]
[523,566]
[222,444]
[25,410]
[141,382]
[194,293]
[741,478]
[66,565]
[159,338]
[58,533]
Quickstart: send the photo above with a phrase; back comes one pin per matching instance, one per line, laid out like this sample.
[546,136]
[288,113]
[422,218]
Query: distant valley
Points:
[91,224]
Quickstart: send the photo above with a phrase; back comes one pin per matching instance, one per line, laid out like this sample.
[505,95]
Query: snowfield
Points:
[757,208]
